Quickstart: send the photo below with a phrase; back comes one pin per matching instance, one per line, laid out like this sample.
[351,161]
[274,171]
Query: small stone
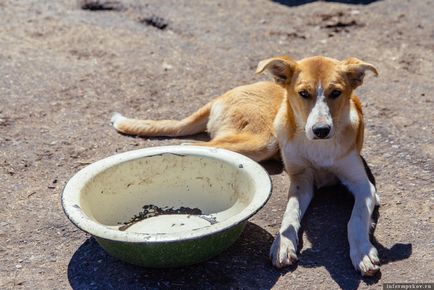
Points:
[167,66]
[355,12]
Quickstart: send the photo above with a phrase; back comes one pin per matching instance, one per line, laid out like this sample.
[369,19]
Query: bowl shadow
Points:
[244,265]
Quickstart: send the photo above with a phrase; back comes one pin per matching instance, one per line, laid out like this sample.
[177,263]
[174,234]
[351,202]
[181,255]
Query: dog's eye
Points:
[304,94]
[334,94]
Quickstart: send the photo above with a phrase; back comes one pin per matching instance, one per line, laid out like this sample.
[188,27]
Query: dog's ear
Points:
[281,67]
[355,70]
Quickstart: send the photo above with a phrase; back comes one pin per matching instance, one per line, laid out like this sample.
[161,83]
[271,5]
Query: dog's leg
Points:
[258,148]
[284,248]
[364,255]
[193,124]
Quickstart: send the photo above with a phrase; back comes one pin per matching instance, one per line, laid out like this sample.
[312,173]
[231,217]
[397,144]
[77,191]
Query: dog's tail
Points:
[193,124]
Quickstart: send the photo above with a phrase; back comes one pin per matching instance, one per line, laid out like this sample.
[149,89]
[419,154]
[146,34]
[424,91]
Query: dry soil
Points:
[64,70]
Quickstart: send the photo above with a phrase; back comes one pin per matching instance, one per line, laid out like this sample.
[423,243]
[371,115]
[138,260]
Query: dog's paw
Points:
[365,259]
[283,252]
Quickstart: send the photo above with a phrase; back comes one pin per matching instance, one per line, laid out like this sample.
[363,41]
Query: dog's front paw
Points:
[283,252]
[365,259]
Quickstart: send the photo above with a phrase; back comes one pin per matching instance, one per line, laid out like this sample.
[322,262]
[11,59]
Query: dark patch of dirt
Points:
[155,21]
[288,34]
[101,5]
[340,21]
[64,70]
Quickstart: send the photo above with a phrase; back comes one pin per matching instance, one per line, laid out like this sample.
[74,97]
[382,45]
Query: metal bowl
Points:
[166,206]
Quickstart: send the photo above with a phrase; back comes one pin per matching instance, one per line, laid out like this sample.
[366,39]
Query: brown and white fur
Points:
[312,117]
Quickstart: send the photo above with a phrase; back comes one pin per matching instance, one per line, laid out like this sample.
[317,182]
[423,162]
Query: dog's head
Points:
[319,88]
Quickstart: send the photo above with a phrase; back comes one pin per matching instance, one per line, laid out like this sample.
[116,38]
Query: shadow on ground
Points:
[325,225]
[244,265]
[302,2]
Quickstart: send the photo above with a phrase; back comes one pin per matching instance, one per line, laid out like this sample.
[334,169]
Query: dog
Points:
[309,114]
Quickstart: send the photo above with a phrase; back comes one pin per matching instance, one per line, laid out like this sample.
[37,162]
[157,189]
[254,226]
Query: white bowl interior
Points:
[219,189]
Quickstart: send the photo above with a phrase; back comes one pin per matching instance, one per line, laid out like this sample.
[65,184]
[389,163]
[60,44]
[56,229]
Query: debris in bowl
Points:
[153,210]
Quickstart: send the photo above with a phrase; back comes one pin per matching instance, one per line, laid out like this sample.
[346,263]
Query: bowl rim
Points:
[70,196]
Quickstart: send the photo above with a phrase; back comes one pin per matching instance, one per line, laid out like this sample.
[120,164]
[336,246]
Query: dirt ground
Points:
[64,70]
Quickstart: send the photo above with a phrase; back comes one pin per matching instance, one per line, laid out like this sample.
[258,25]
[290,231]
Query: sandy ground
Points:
[63,70]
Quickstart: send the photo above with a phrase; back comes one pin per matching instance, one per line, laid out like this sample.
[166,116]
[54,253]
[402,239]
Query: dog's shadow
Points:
[325,226]
[200,137]
[245,265]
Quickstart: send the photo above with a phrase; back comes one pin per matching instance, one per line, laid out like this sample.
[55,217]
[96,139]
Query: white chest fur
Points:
[319,154]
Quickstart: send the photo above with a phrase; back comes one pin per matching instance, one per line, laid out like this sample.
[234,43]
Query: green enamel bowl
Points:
[166,206]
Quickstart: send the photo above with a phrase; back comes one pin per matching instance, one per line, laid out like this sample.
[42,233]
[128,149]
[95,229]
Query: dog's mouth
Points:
[322,138]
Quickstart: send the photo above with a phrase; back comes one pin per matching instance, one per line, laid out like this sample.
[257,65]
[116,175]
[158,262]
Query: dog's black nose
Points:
[321,130]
